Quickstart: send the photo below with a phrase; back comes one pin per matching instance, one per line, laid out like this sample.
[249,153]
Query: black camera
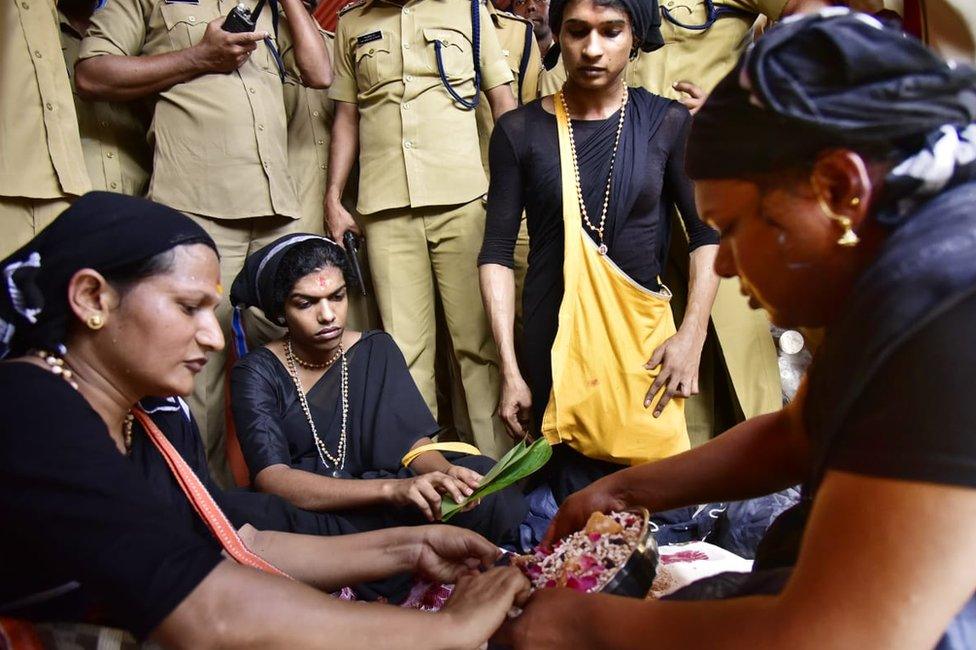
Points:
[240,19]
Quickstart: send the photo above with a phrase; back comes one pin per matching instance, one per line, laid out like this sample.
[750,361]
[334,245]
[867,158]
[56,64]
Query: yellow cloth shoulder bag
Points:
[609,326]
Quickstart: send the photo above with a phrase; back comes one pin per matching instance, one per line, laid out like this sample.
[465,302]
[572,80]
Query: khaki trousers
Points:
[22,218]
[235,239]
[415,254]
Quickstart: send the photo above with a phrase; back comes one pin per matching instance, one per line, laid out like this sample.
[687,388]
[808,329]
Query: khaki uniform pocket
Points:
[456,52]
[374,62]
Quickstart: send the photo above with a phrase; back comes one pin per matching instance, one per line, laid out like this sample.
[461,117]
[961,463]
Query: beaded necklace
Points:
[339,460]
[613,157]
[58,367]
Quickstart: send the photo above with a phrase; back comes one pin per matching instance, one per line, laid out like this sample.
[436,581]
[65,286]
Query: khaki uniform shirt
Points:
[220,140]
[309,112]
[702,57]
[417,147]
[40,150]
[113,134]
[511,32]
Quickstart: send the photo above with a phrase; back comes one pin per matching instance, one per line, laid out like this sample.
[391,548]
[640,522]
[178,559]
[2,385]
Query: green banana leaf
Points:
[521,461]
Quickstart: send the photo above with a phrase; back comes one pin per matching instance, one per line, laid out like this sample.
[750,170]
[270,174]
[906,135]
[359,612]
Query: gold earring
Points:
[95,322]
[856,201]
[849,238]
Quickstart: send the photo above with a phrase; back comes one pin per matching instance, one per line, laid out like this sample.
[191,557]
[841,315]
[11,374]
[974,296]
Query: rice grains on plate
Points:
[586,560]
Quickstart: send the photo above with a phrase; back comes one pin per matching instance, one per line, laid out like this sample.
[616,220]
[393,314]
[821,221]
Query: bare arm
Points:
[311,54]
[501,100]
[870,574]
[759,456]
[330,562]
[321,493]
[126,78]
[238,607]
[342,154]
[498,295]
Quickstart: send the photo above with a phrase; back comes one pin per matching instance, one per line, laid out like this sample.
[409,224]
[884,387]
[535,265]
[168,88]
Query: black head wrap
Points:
[840,79]
[254,286]
[101,231]
[645,20]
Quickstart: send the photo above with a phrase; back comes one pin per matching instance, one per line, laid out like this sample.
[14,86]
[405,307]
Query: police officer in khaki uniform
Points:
[219,131]
[113,134]
[310,112]
[421,180]
[536,11]
[42,167]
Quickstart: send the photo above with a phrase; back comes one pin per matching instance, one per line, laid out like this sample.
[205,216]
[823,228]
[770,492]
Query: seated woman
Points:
[598,169]
[325,406]
[104,516]
[839,162]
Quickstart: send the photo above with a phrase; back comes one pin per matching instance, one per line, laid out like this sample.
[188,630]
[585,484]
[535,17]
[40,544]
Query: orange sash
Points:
[201,500]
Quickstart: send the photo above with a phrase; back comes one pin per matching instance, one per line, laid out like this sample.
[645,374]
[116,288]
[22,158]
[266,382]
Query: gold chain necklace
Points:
[339,460]
[308,365]
[57,366]
[613,157]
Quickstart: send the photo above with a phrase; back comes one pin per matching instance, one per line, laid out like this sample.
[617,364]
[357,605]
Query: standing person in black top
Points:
[839,162]
[628,216]
[112,302]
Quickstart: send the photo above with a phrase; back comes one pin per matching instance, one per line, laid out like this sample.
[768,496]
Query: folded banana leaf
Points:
[521,461]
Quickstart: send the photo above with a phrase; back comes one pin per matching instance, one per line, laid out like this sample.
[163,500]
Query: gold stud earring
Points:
[856,201]
[95,322]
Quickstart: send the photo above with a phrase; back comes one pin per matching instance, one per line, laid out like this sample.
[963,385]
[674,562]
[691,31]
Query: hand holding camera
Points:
[223,51]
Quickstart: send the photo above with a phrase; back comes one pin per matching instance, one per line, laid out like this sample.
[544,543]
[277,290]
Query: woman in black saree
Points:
[326,406]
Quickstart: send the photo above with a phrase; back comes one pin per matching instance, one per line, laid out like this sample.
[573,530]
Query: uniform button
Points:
[25,5]
[408,144]
[321,165]
[251,90]
[113,185]
[320,141]
[109,154]
[504,52]
[37,53]
[49,106]
[406,106]
[260,127]
[409,77]
[406,11]
[406,46]
[372,51]
[103,124]
[315,113]
[192,19]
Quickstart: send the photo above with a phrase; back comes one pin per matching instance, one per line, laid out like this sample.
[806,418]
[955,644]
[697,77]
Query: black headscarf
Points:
[840,79]
[645,20]
[102,231]
[254,286]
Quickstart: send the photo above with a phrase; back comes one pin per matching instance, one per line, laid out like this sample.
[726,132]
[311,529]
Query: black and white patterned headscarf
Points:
[841,79]
[102,231]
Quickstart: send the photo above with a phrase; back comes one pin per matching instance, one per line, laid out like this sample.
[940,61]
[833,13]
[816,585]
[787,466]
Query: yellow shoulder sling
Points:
[609,326]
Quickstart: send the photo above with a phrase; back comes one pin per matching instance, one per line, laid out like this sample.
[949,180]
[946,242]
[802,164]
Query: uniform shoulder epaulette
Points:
[352,5]
[511,16]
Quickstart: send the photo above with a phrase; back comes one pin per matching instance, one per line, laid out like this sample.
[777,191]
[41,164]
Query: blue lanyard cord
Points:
[468,104]
[712,14]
